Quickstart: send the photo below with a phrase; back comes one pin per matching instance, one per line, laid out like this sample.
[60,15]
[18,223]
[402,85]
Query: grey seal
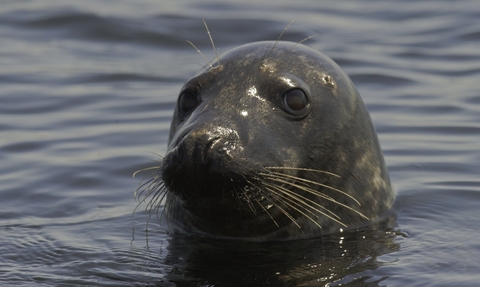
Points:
[271,141]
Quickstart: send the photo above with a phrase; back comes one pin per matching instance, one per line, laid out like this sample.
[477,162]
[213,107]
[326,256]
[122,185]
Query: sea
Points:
[87,93]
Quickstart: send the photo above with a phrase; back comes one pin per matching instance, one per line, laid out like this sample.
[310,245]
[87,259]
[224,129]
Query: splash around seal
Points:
[271,141]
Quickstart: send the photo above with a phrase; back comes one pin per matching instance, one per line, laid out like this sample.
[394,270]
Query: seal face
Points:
[272,141]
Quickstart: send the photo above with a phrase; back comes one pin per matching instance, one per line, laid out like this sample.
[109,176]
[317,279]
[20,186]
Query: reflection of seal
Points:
[272,140]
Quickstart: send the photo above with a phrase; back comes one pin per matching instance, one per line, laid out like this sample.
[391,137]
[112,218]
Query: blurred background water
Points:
[87,90]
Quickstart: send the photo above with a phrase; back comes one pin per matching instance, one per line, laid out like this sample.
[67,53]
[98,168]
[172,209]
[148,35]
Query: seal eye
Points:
[295,100]
[187,102]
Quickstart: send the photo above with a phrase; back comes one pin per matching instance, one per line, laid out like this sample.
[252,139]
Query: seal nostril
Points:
[208,148]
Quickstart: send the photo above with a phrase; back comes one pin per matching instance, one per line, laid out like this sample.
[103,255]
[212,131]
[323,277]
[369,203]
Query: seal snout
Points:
[211,148]
[202,160]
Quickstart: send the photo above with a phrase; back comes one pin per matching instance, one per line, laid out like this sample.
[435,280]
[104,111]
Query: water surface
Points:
[87,90]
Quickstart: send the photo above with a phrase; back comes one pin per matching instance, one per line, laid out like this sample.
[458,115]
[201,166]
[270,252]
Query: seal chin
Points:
[273,143]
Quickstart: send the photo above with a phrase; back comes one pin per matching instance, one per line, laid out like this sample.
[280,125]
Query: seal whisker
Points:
[158,190]
[213,44]
[291,203]
[292,199]
[315,192]
[143,187]
[155,204]
[298,43]
[145,169]
[249,202]
[280,179]
[288,215]
[149,187]
[321,195]
[303,40]
[317,183]
[169,202]
[268,213]
[200,52]
[303,169]
[292,194]
[278,39]
[293,47]
[301,199]
[258,202]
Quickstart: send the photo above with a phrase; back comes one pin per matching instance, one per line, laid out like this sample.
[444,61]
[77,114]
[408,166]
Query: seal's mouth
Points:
[206,189]
[194,171]
[251,203]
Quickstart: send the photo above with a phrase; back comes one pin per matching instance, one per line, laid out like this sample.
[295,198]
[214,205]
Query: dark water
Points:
[87,90]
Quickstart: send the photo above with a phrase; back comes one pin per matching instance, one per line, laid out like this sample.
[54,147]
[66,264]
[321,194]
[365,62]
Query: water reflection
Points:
[338,259]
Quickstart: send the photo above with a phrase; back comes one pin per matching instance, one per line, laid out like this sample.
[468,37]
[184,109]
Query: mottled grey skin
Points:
[215,171]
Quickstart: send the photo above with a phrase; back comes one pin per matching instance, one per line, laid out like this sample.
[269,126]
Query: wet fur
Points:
[301,194]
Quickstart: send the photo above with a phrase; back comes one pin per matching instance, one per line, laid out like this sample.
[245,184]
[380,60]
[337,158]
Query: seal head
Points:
[271,141]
